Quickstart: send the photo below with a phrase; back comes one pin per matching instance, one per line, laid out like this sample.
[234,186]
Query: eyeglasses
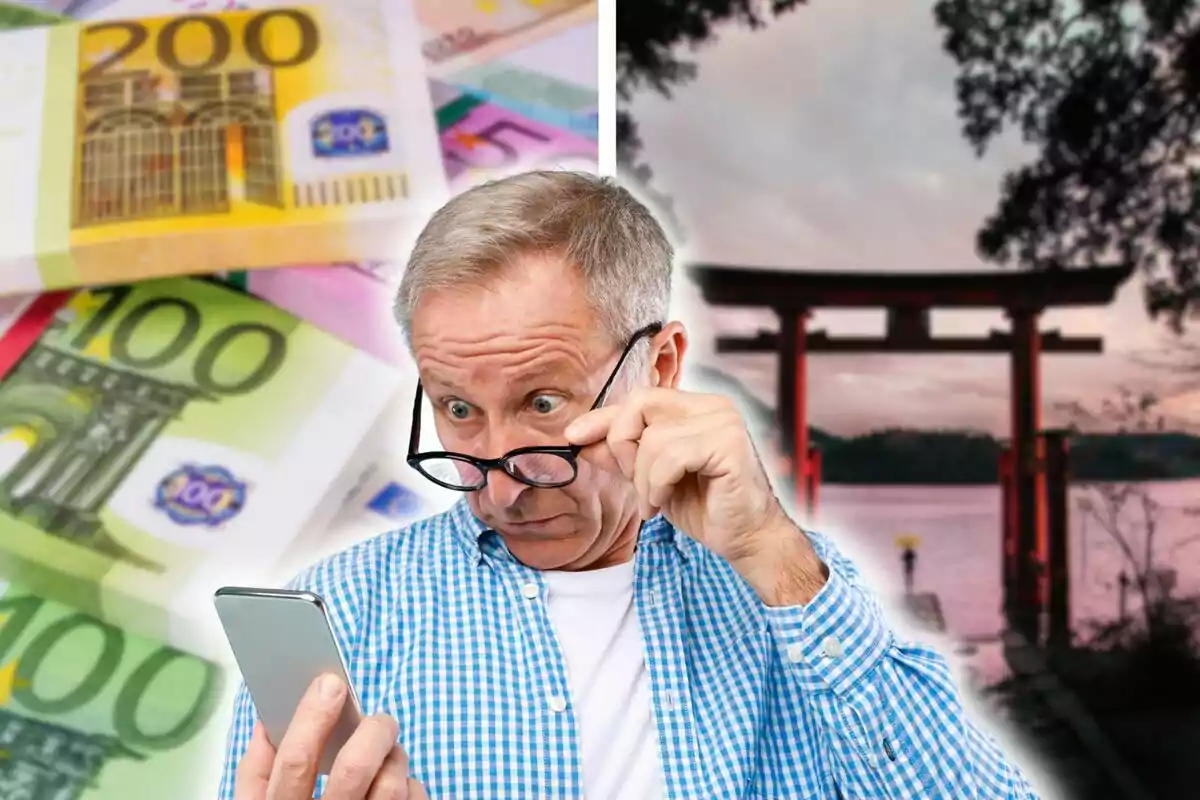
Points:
[543,467]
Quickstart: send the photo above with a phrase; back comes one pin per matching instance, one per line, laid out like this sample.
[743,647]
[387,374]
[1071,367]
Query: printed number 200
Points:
[218,31]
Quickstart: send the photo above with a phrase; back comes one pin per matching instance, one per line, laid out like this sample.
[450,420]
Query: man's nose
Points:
[502,489]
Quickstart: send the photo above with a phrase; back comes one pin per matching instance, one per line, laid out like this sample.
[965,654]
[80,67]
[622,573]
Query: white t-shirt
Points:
[597,627]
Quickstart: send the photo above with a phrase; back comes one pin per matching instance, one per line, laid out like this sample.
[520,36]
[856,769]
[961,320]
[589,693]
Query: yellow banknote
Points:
[167,145]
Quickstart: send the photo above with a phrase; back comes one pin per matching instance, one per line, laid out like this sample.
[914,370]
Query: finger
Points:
[361,758]
[624,433]
[600,456]
[392,782]
[665,455]
[653,404]
[416,791]
[295,771]
[254,770]
[651,407]
[591,427]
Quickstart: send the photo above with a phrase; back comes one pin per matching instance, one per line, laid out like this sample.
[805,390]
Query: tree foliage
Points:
[1107,92]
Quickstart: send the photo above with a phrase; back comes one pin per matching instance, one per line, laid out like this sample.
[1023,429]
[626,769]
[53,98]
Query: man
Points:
[619,606]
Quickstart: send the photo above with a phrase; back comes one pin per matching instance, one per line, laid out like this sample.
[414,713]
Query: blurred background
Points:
[946,255]
[164,437]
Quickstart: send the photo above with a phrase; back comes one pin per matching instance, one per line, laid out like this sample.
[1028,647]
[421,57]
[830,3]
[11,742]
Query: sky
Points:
[829,140]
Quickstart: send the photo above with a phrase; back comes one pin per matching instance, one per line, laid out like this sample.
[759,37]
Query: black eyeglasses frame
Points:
[568,453]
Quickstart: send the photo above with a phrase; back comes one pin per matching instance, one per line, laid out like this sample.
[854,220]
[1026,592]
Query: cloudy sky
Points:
[829,141]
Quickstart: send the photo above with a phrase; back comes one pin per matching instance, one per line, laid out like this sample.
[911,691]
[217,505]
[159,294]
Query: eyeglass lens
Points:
[536,469]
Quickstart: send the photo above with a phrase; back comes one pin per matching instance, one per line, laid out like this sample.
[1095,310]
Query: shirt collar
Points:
[477,540]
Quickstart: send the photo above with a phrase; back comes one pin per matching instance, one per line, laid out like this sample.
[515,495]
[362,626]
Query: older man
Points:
[618,607]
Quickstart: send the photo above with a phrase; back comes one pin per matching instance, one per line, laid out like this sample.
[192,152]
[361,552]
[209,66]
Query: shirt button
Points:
[795,653]
[670,700]
[531,590]
[557,704]
[831,647]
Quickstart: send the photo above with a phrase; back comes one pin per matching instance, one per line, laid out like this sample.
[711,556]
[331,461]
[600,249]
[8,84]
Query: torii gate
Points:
[1032,471]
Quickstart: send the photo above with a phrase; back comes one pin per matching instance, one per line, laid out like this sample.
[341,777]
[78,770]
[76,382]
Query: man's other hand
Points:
[371,766]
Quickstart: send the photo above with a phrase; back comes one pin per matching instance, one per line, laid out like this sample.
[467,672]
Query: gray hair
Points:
[618,246]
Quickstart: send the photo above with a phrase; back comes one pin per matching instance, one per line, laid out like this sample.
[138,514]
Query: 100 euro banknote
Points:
[91,712]
[158,440]
[180,144]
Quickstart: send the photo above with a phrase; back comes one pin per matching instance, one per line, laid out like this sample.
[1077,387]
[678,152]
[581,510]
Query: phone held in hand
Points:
[283,641]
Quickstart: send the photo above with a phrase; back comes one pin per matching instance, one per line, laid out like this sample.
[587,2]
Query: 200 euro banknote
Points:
[188,143]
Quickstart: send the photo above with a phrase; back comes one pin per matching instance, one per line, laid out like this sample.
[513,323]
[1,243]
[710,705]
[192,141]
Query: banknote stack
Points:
[205,212]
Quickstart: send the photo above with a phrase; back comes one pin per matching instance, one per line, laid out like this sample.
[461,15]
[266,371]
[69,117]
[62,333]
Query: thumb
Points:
[254,770]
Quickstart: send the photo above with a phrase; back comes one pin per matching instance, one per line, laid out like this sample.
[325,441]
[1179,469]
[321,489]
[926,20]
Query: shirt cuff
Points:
[835,640]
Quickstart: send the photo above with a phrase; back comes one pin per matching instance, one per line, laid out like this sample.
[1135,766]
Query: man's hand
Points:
[371,766]
[690,456]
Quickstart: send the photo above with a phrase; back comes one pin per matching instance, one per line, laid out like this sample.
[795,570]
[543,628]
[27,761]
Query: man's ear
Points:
[667,349]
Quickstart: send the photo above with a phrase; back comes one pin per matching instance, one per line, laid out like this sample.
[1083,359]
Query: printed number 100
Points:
[47,651]
[172,346]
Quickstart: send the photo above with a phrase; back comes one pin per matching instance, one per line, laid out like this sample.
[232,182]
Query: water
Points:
[958,555]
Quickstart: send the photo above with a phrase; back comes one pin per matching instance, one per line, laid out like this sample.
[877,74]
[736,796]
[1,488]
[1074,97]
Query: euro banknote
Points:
[387,496]
[346,300]
[21,15]
[353,301]
[482,140]
[462,33]
[160,439]
[91,712]
[552,81]
[141,147]
[536,96]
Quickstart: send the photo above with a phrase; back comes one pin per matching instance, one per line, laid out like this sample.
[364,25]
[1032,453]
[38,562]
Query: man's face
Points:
[509,364]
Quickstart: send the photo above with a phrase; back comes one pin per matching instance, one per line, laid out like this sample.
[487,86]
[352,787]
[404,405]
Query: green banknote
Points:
[161,439]
[14,16]
[90,712]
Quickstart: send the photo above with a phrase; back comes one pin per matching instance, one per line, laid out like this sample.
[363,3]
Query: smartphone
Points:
[282,641]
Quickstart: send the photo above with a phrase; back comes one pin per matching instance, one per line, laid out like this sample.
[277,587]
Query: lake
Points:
[958,554]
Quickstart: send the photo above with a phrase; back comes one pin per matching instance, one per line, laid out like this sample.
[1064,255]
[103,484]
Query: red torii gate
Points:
[1032,471]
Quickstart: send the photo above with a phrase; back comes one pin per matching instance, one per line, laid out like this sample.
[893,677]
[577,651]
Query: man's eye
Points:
[458,409]
[546,403]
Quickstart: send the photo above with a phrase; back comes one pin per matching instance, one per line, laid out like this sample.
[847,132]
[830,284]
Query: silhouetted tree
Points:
[649,35]
[1108,91]
[1127,512]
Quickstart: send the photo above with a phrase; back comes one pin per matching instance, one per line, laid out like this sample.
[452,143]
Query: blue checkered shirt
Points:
[820,701]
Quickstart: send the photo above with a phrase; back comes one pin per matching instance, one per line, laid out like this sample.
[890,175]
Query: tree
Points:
[1127,513]
[649,33]
[1108,92]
